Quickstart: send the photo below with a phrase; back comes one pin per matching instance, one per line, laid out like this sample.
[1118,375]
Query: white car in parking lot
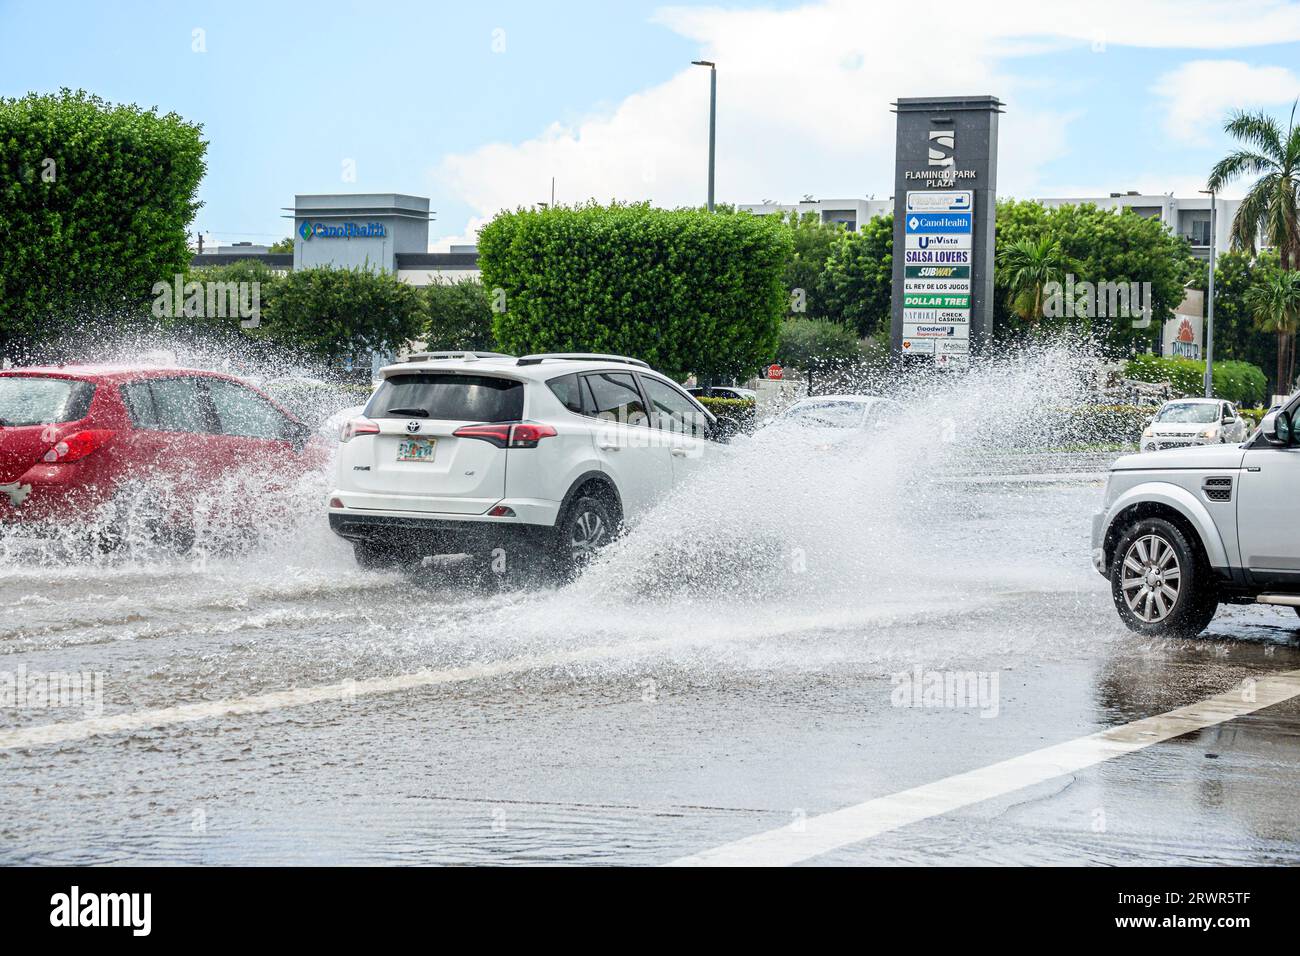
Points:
[837,413]
[544,455]
[1195,421]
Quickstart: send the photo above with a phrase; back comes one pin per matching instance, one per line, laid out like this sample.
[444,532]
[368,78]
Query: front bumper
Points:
[1162,442]
[1098,543]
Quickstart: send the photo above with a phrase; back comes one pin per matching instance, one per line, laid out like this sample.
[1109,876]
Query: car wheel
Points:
[136,521]
[586,527]
[1160,584]
[374,557]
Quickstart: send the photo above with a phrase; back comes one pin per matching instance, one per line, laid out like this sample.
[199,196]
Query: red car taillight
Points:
[77,446]
[358,426]
[507,435]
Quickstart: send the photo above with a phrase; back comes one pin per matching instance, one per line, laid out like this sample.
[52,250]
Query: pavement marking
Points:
[66,731]
[839,828]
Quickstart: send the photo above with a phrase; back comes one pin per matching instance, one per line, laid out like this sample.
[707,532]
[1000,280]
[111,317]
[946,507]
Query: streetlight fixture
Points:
[713,117]
[1209,302]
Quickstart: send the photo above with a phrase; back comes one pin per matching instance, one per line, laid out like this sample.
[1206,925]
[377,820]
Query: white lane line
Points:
[57,733]
[830,831]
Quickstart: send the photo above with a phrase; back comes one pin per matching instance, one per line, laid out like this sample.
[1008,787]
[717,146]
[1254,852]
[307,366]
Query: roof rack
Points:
[580,357]
[458,354]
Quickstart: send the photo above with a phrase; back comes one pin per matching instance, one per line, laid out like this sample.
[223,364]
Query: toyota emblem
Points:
[412,427]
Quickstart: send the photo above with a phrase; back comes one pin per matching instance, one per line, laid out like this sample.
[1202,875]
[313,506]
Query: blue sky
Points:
[478,105]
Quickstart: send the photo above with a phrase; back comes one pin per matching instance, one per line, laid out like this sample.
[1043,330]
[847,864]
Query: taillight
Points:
[358,426]
[517,435]
[77,446]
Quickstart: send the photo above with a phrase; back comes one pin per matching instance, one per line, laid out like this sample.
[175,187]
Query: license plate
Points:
[416,449]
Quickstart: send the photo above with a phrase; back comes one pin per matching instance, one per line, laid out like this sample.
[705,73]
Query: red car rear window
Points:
[38,400]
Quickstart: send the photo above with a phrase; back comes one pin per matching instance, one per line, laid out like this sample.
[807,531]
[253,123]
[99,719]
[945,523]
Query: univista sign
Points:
[347,230]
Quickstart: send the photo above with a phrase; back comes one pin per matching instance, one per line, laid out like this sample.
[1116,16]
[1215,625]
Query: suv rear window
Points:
[29,400]
[448,397]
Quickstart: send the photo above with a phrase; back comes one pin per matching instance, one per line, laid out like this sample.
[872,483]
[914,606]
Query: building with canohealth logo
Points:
[387,232]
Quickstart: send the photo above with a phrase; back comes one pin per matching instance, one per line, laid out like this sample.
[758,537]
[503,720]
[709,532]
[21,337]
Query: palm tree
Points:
[1269,209]
[1274,304]
[1025,267]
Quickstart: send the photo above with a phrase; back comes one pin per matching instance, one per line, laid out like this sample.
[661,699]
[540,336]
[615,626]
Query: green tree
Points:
[284,245]
[1027,266]
[1269,208]
[95,201]
[817,345]
[343,313]
[1101,245]
[812,242]
[1274,302]
[459,316]
[1236,334]
[684,290]
[857,281]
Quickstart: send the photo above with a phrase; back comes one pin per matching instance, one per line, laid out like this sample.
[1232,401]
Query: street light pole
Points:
[713,118]
[1209,302]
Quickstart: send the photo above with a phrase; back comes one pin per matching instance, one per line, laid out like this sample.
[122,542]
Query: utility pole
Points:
[1209,299]
[713,118]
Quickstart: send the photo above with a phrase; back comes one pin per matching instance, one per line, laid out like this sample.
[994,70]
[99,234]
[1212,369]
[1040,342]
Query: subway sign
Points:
[344,230]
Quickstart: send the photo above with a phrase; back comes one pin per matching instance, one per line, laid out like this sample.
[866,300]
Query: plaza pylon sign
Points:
[945,198]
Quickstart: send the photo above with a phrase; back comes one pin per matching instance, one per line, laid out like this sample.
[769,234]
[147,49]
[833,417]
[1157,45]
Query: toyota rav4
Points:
[545,456]
[1185,530]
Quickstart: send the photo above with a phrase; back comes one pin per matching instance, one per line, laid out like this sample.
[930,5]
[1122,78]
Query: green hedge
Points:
[739,412]
[1238,382]
[686,291]
[95,201]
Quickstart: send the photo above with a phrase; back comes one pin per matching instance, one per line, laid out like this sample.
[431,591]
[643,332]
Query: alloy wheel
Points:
[1151,579]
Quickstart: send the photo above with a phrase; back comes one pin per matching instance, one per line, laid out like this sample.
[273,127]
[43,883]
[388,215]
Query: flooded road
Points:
[690,690]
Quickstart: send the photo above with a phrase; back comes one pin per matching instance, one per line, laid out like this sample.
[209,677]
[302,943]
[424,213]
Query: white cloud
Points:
[1199,94]
[804,99]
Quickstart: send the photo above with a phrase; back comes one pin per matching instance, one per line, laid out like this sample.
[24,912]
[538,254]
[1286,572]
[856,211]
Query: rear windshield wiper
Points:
[409,412]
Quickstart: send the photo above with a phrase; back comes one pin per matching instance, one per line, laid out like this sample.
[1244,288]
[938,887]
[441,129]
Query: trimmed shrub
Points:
[1238,382]
[687,291]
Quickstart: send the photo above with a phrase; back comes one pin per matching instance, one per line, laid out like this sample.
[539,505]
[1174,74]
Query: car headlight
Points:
[1148,433]
[1210,433]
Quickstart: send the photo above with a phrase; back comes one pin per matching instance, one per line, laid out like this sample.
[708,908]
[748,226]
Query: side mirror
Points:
[1280,430]
[298,435]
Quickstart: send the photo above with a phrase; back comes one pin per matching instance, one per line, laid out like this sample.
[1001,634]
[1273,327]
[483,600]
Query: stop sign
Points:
[775,372]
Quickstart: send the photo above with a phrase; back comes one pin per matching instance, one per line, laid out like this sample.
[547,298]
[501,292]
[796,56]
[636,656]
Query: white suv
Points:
[545,456]
[1186,530]
[1194,421]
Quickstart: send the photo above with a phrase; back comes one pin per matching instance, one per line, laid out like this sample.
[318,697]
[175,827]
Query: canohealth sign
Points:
[344,230]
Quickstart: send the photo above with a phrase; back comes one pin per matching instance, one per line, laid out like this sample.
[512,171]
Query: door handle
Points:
[679,452]
[609,447]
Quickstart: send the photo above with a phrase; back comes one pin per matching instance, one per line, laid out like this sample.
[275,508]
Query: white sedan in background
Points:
[837,413]
[1195,421]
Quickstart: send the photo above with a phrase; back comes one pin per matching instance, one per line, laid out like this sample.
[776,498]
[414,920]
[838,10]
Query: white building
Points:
[1189,217]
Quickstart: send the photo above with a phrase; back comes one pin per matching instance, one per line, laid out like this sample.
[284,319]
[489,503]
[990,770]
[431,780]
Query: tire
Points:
[135,517]
[587,525]
[1159,582]
[374,557]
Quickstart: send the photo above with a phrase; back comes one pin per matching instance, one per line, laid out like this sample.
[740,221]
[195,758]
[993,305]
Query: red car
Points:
[77,438]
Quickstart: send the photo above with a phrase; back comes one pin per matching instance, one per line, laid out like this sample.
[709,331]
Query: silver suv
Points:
[1185,530]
